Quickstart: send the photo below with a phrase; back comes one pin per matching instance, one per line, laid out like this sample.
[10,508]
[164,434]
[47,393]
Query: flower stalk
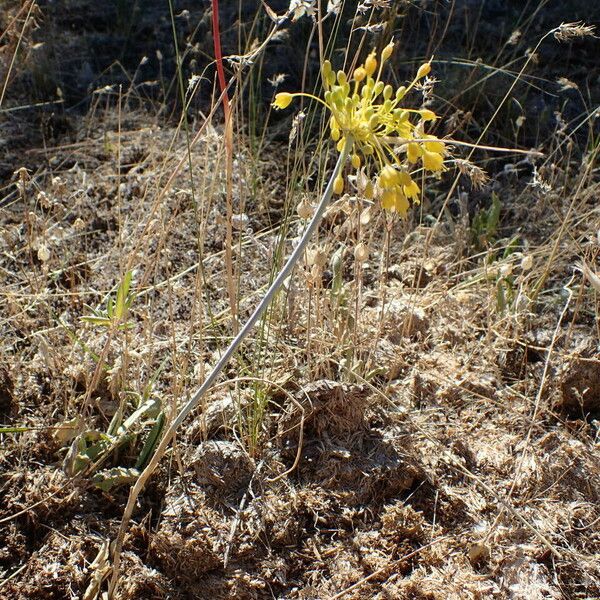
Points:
[216,371]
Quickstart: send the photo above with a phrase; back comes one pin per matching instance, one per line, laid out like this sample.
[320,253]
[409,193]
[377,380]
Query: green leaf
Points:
[85,450]
[511,247]
[149,408]
[110,478]
[123,300]
[493,217]
[150,443]
[15,429]
[100,321]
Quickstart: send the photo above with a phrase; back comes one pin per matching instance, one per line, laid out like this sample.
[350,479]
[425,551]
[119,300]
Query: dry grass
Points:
[416,418]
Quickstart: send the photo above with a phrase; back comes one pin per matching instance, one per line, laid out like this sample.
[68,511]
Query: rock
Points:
[223,465]
[580,385]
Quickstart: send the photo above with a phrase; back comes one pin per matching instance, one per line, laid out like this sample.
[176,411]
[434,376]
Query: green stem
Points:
[214,374]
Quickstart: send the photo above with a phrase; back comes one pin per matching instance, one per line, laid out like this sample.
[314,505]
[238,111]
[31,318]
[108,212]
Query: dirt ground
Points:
[429,418]
[466,467]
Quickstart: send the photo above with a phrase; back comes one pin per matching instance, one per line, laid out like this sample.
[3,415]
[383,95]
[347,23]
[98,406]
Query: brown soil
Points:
[467,466]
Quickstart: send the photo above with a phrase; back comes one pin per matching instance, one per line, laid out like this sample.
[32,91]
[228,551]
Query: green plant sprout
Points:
[368,125]
[137,412]
[117,307]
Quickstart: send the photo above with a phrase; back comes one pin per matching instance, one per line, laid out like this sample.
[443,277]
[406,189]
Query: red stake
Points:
[219,57]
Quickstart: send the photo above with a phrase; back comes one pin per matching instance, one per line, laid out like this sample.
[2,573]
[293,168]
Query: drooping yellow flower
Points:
[411,190]
[413,152]
[386,137]
[432,161]
[283,100]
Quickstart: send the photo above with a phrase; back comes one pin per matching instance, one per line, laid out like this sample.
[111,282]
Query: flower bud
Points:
[400,93]
[387,51]
[338,185]
[371,64]
[359,74]
[427,115]
[424,70]
[355,161]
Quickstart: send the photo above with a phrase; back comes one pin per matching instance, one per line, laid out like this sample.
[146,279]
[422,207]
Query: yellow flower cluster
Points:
[369,113]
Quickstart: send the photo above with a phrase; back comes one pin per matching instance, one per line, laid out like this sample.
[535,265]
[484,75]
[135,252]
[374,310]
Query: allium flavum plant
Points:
[384,136]
[372,130]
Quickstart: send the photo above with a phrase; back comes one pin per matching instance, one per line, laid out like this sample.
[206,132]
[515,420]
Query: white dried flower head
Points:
[374,28]
[369,4]
[295,125]
[538,183]
[334,6]
[526,262]
[240,221]
[44,200]
[566,84]
[361,252]
[192,81]
[590,275]
[476,174]
[532,56]
[514,38]
[57,182]
[277,79]
[305,209]
[43,253]
[299,8]
[316,256]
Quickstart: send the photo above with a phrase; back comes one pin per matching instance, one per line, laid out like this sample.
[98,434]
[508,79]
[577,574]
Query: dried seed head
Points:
[569,31]
[361,253]
[305,210]
[526,262]
[476,174]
